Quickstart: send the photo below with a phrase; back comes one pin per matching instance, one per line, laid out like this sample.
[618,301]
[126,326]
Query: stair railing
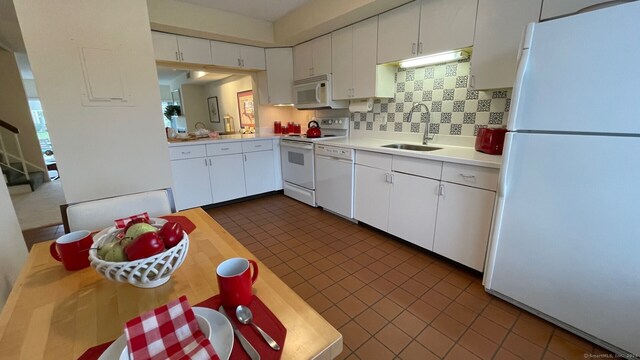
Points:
[6,156]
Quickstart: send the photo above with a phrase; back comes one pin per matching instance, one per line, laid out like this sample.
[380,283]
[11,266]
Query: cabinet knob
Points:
[181,56]
[441,190]
[413,48]
[177,57]
[420,47]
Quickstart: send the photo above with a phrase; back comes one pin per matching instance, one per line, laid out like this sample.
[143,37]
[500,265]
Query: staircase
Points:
[14,167]
[14,177]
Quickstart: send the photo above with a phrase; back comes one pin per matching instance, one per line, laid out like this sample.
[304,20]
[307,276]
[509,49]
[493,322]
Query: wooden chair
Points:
[99,214]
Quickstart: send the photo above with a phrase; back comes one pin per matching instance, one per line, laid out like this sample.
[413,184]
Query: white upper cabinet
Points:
[165,46]
[446,25]
[355,73]
[312,58]
[238,56]
[225,54]
[342,63]
[275,83]
[425,27]
[398,33]
[194,50]
[499,28]
[556,8]
[169,47]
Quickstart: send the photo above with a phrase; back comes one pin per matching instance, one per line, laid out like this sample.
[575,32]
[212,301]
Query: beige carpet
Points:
[41,207]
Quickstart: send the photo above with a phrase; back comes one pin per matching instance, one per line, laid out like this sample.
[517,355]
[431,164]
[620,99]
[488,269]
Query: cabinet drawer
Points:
[420,167]
[372,159]
[476,176]
[258,145]
[187,152]
[225,148]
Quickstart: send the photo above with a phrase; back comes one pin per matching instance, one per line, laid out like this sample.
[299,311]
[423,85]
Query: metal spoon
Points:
[245,316]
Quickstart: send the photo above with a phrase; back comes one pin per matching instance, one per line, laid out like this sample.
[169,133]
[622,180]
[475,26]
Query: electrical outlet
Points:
[382,118]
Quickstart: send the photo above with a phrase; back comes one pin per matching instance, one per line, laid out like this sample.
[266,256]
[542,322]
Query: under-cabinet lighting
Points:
[434,59]
[283,105]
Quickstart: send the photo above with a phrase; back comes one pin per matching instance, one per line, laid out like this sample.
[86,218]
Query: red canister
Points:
[277,127]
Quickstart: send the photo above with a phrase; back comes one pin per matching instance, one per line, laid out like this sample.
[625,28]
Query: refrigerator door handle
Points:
[523,56]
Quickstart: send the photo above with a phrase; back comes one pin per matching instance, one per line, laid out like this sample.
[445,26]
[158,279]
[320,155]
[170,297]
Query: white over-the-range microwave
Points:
[315,93]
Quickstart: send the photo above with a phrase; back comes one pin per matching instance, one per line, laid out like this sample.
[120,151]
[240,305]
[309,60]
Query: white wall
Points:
[14,109]
[101,151]
[181,17]
[194,105]
[227,92]
[165,93]
[13,251]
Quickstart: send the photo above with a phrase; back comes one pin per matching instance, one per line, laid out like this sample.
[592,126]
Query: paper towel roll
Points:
[361,105]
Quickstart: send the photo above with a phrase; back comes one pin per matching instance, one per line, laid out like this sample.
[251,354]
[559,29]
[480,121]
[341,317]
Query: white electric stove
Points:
[298,167]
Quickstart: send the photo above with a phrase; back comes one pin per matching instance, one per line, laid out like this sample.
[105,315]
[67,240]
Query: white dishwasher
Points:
[334,179]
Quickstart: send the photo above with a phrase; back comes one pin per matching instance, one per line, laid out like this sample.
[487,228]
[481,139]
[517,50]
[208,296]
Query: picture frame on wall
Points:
[246,110]
[214,110]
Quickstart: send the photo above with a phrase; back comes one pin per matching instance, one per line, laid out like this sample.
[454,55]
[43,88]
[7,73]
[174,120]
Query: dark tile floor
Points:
[388,299]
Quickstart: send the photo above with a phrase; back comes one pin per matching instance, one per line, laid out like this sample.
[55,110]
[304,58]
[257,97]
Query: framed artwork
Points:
[214,111]
[245,109]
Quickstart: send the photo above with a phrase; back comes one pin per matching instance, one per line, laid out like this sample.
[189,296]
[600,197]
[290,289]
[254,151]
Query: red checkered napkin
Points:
[121,223]
[168,332]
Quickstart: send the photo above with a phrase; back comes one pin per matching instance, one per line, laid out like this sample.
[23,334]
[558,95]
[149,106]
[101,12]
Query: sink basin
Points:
[411,147]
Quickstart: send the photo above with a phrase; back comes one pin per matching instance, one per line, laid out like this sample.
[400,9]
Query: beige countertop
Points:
[223,138]
[448,153]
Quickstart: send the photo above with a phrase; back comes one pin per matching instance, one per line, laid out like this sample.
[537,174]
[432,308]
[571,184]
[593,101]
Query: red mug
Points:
[72,249]
[235,281]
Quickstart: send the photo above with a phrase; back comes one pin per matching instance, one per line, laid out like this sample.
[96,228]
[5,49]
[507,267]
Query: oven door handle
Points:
[295,144]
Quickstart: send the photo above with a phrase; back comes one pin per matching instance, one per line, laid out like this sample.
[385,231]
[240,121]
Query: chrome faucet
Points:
[425,137]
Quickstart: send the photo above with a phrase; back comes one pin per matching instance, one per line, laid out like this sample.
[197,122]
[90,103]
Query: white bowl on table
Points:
[215,327]
[144,273]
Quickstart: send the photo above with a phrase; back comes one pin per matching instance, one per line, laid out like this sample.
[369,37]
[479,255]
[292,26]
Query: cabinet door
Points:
[365,44]
[413,207]
[165,46]
[252,57]
[398,33]
[225,54]
[191,187]
[279,75]
[555,8]
[499,28]
[455,19]
[302,61]
[464,221]
[342,63]
[193,50]
[371,199]
[321,52]
[259,173]
[227,177]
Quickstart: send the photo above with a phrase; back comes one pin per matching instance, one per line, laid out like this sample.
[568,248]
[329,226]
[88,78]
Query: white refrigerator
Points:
[565,242]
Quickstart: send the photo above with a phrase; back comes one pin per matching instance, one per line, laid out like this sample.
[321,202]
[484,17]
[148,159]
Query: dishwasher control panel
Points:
[333,151]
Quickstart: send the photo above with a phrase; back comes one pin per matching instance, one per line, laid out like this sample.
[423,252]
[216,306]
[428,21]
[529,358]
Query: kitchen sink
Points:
[411,147]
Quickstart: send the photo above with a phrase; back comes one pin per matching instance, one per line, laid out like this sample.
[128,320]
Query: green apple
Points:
[138,229]
[115,253]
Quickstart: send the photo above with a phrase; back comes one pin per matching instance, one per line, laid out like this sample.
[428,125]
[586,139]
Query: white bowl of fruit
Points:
[143,254]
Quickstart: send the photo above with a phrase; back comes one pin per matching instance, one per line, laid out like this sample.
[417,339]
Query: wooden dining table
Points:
[53,313]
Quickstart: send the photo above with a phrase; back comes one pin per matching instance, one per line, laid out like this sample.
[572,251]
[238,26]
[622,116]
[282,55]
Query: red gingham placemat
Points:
[186,224]
[261,316]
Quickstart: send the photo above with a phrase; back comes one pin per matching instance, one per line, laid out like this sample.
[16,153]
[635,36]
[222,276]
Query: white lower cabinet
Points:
[227,177]
[259,172]
[223,171]
[463,225]
[412,208]
[442,207]
[371,199]
[191,187]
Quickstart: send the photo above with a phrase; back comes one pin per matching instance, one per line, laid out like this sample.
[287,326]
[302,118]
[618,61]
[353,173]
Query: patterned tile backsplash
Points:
[455,108]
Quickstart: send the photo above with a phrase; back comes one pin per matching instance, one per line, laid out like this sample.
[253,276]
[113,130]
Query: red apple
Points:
[171,234]
[144,246]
